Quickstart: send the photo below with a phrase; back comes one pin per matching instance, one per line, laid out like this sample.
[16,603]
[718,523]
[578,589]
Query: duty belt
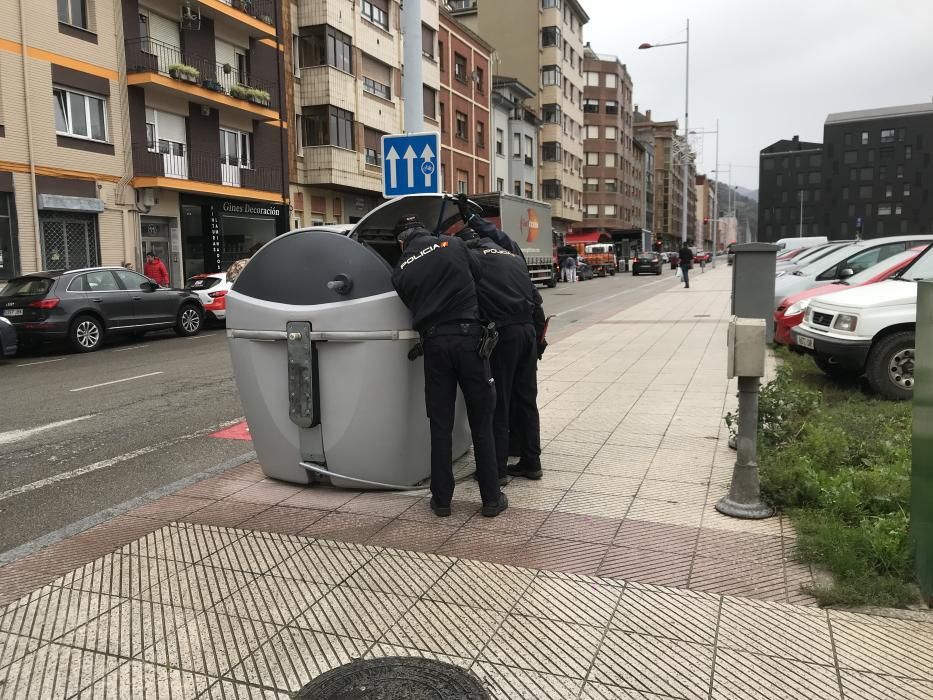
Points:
[465,328]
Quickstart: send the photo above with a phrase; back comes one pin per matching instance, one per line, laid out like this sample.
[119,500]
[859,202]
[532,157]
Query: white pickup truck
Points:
[869,330]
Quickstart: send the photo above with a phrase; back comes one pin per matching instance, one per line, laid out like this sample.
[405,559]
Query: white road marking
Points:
[117,381]
[602,300]
[204,335]
[16,435]
[103,464]
[131,347]
[42,362]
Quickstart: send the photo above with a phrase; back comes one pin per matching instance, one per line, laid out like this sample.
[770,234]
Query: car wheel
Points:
[552,281]
[890,366]
[834,369]
[86,334]
[190,320]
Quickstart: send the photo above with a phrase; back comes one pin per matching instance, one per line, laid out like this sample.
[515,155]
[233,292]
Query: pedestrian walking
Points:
[435,278]
[570,269]
[686,262]
[155,270]
[508,298]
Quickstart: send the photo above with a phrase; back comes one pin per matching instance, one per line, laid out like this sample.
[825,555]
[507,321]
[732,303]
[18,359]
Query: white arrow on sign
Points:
[392,157]
[427,156]
[410,162]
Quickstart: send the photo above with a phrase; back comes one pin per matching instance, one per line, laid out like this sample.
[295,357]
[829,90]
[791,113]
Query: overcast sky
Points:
[768,69]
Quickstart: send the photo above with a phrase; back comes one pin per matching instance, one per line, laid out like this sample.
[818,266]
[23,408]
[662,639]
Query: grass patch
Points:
[838,462]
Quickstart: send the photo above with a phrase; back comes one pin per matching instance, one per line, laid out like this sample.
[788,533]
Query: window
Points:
[296,52]
[500,184]
[853,174]
[377,12]
[864,138]
[460,68]
[611,185]
[888,191]
[516,145]
[529,191]
[551,114]
[591,131]
[611,80]
[517,188]
[551,189]
[611,133]
[906,190]
[591,184]
[866,174]
[480,81]
[73,12]
[428,37]
[592,158]
[299,136]
[816,161]
[882,172]
[374,87]
[814,178]
[442,118]
[847,139]
[900,172]
[500,137]
[610,160]
[850,157]
[461,124]
[845,193]
[779,179]
[327,126]
[887,155]
[325,46]
[235,149]
[887,136]
[609,210]
[898,210]
[80,115]
[591,79]
[440,56]
[550,75]
[550,4]
[462,177]
[592,210]
[429,96]
[480,135]
[529,150]
[871,155]
[612,107]
[851,210]
[908,152]
[551,151]
[767,164]
[864,192]
[590,105]
[550,36]
[372,146]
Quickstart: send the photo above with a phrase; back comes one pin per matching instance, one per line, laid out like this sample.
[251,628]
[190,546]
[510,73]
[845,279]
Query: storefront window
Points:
[7,233]
[69,241]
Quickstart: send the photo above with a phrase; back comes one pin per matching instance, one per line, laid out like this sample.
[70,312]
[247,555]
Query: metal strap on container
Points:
[326,336]
[318,469]
[304,402]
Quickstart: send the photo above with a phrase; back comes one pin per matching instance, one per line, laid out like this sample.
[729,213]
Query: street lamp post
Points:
[686,203]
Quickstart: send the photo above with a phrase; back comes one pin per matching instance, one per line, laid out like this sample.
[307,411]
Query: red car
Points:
[792,309]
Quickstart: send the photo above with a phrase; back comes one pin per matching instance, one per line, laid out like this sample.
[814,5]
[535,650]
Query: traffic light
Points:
[657,246]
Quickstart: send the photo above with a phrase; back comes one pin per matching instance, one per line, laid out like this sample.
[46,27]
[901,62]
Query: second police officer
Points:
[435,278]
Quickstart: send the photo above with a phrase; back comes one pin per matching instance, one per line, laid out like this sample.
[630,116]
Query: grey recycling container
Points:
[319,342]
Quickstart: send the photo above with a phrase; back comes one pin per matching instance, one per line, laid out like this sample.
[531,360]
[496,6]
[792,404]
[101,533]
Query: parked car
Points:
[84,306]
[809,255]
[665,258]
[800,242]
[869,330]
[584,270]
[7,338]
[702,256]
[843,263]
[211,288]
[790,312]
[647,262]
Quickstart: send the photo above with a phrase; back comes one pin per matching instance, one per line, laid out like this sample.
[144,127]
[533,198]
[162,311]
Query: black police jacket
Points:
[506,293]
[500,238]
[435,278]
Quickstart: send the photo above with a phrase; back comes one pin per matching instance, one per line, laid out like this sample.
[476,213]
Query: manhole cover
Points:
[395,678]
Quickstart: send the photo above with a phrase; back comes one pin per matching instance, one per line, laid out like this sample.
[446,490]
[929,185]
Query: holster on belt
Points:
[488,341]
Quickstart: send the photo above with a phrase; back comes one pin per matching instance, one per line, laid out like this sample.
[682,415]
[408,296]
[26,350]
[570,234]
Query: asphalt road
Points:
[83,433]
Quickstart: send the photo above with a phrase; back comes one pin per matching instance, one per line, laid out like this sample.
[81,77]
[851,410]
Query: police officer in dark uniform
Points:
[435,279]
[485,229]
[508,298]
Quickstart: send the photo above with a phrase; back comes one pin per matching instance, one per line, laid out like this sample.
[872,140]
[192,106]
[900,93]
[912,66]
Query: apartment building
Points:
[612,166]
[207,121]
[463,105]
[515,126]
[705,212]
[644,143]
[540,43]
[64,145]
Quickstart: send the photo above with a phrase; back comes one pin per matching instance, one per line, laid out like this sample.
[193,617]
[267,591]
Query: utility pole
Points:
[412,81]
[687,184]
[716,201]
[800,233]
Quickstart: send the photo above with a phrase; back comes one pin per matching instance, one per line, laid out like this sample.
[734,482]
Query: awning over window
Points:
[61,202]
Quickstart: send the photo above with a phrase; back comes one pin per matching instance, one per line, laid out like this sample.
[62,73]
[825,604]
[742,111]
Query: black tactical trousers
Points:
[514,366]
[449,361]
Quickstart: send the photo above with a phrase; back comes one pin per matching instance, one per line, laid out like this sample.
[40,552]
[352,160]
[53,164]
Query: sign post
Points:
[411,164]
[921,476]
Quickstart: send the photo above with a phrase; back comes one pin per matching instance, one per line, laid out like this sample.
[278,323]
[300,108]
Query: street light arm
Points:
[654,46]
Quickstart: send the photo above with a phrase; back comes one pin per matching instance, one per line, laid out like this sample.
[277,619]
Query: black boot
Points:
[527,470]
[440,511]
[491,510]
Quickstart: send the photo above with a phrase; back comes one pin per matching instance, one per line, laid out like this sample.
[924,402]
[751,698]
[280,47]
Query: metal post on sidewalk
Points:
[746,342]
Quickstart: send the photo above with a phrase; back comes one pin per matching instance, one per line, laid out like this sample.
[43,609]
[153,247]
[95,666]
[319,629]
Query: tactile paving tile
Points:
[542,645]
[567,600]
[507,683]
[654,665]
[290,659]
[444,628]
[59,611]
[353,612]
[325,562]
[273,599]
[681,615]
[230,690]
[857,685]
[866,643]
[14,647]
[740,675]
[197,587]
[138,679]
[768,628]
[54,671]
[608,505]
[253,553]
[390,574]
[122,575]
[484,585]
[182,542]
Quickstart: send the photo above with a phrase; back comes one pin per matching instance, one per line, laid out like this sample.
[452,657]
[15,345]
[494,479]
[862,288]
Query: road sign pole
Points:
[412,82]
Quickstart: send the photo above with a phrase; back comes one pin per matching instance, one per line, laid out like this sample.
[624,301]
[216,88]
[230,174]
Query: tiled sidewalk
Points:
[635,457]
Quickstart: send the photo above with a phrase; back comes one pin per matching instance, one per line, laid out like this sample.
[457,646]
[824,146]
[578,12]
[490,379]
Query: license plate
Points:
[12,312]
[805,342]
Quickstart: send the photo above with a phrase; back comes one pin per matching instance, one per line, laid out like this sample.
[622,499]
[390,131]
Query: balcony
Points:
[462,6]
[325,85]
[257,15]
[191,170]
[161,66]
[338,167]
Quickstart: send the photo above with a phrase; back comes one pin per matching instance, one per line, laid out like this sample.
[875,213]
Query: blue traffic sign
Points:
[411,164]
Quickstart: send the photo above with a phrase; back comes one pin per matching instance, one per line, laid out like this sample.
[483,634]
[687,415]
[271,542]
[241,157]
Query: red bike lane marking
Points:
[240,431]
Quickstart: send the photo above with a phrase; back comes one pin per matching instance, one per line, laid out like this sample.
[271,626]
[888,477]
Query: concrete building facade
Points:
[705,212]
[515,131]
[540,43]
[789,189]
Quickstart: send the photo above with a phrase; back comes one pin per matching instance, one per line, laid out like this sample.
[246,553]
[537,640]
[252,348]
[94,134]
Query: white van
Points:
[799,242]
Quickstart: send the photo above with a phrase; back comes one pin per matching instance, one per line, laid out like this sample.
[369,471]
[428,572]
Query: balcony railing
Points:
[203,166]
[151,55]
[263,10]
